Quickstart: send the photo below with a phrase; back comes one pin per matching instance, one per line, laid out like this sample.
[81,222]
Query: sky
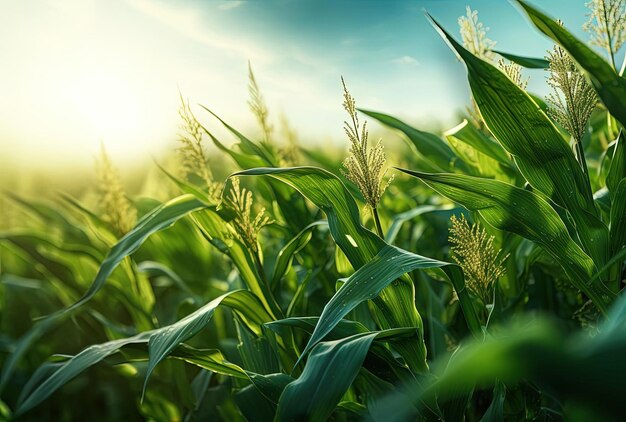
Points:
[75,73]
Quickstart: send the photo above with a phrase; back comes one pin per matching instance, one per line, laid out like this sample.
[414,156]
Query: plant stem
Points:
[271,299]
[581,158]
[608,34]
[379,227]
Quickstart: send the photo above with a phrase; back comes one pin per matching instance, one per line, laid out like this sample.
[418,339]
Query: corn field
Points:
[471,275]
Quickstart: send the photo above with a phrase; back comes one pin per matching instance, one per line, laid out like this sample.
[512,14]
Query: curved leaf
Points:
[160,218]
[285,255]
[527,62]
[161,343]
[395,303]
[184,186]
[541,154]
[369,280]
[70,369]
[430,146]
[400,219]
[467,133]
[330,370]
[618,218]
[519,211]
[610,86]
[617,171]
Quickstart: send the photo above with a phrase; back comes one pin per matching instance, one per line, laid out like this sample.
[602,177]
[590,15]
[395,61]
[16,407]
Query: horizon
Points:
[82,73]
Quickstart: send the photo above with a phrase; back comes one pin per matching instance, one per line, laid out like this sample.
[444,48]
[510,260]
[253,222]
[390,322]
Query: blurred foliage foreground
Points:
[203,305]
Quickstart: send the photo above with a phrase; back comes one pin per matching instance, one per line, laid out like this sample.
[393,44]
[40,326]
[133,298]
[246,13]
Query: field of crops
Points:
[470,275]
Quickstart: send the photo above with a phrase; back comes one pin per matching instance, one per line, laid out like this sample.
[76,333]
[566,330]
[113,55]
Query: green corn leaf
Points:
[258,401]
[184,186]
[400,219]
[617,171]
[618,218]
[369,280]
[94,222]
[243,160]
[160,218]
[248,147]
[611,87]
[360,245]
[519,211]
[330,370]
[537,351]
[211,225]
[541,154]
[602,197]
[495,412]
[163,341]
[53,216]
[209,359]
[292,208]
[256,352]
[467,133]
[35,244]
[430,146]
[73,367]
[286,254]
[527,62]
[345,327]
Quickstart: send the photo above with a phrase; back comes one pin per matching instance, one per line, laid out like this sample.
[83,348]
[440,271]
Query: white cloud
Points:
[407,60]
[193,24]
[231,4]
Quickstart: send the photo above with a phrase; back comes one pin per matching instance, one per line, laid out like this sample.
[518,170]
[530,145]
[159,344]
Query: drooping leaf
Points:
[369,280]
[159,219]
[540,152]
[467,133]
[430,146]
[400,219]
[360,246]
[519,211]
[73,367]
[163,341]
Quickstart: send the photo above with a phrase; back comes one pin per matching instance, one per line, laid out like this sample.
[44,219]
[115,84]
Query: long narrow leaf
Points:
[610,86]
[541,154]
[159,219]
[519,211]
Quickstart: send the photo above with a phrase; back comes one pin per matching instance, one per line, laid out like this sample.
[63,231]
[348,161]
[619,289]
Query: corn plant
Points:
[287,283]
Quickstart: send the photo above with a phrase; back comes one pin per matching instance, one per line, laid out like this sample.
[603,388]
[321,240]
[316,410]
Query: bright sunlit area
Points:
[78,73]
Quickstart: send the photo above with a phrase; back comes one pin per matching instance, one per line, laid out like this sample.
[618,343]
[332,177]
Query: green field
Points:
[474,274]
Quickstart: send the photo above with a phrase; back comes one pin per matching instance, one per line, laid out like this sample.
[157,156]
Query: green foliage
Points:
[205,309]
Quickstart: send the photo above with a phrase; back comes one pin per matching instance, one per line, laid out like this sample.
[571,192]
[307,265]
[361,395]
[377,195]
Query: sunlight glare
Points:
[108,105]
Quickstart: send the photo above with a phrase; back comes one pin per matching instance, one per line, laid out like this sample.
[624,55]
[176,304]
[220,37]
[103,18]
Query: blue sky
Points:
[79,72]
